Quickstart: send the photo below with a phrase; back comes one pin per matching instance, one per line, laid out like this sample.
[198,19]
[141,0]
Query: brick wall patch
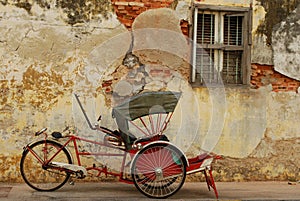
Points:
[263,75]
[127,11]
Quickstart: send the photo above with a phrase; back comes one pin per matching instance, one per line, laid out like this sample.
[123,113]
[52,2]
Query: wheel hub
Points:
[159,174]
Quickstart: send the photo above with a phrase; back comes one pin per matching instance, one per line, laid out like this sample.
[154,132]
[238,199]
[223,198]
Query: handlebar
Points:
[84,113]
[40,131]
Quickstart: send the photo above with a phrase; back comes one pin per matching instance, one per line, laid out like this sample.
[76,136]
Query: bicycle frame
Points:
[73,140]
[104,170]
[134,148]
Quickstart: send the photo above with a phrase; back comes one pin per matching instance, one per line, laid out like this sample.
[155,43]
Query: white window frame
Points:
[218,46]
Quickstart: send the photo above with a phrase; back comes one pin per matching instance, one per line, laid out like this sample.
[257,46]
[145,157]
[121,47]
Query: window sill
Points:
[232,86]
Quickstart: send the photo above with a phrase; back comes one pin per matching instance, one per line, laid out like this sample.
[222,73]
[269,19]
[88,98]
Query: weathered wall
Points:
[50,50]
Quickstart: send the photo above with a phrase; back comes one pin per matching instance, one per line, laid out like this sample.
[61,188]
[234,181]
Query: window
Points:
[221,50]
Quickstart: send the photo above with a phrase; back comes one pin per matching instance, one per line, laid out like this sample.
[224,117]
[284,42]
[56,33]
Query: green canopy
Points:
[145,104]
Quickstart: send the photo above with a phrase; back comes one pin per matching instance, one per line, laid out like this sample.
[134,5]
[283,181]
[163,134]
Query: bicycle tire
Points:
[159,170]
[35,174]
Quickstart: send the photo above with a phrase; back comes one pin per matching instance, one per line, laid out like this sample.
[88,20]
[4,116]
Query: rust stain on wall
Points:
[77,11]
[277,11]
[46,87]
[17,92]
[4,91]
[268,161]
[127,11]
[9,171]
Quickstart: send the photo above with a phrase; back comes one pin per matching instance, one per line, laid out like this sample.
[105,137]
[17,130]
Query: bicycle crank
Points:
[79,171]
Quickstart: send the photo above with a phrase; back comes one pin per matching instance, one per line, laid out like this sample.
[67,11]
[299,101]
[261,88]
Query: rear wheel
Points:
[159,171]
[43,177]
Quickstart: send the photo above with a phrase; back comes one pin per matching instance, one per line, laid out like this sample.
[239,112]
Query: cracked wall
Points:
[286,50]
[51,49]
[74,11]
[276,35]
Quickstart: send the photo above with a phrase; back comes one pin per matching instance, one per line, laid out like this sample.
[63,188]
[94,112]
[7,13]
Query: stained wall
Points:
[52,49]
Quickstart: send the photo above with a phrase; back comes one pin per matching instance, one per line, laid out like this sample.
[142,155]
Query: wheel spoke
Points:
[159,171]
[38,176]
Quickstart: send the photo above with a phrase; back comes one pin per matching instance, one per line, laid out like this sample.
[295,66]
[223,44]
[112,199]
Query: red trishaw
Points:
[157,167]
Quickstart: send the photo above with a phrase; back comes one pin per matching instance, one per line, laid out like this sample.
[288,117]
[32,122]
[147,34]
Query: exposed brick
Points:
[108,90]
[254,74]
[135,8]
[139,11]
[184,27]
[128,17]
[147,4]
[291,88]
[126,22]
[129,9]
[138,4]
[183,24]
[262,75]
[122,12]
[253,66]
[268,72]
[107,83]
[156,5]
[293,84]
[163,5]
[121,8]
[121,3]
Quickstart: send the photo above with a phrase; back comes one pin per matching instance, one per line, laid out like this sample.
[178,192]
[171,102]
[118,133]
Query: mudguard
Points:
[25,148]
[159,142]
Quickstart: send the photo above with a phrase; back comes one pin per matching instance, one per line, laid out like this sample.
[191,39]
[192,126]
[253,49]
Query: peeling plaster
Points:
[75,11]
[266,163]
[286,37]
[267,15]
[47,55]
[276,12]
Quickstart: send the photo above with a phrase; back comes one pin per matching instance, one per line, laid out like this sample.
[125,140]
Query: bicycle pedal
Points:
[72,183]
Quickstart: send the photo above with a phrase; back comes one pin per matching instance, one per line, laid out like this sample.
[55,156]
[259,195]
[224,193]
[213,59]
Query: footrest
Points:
[199,158]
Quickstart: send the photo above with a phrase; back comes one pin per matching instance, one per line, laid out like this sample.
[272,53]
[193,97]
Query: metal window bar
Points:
[205,62]
[232,59]
[236,69]
[205,35]
[202,42]
[232,74]
[229,30]
[233,30]
[237,31]
[194,70]
[218,52]
[227,66]
[236,61]
[211,67]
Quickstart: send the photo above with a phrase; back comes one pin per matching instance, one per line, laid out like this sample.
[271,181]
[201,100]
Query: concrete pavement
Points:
[190,191]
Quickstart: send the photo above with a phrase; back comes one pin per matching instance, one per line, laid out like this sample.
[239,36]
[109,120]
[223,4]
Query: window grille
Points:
[221,48]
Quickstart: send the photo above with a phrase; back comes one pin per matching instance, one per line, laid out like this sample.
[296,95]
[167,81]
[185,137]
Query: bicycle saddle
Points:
[56,134]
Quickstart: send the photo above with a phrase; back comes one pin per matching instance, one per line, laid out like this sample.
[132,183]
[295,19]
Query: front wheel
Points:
[35,171]
[159,171]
